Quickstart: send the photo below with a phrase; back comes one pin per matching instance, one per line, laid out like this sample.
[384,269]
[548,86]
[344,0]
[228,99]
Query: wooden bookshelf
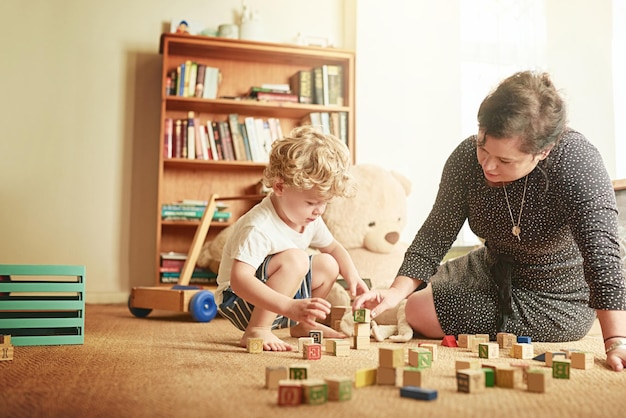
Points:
[242,64]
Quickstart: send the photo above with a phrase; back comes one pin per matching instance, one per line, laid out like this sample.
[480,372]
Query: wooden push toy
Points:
[182,297]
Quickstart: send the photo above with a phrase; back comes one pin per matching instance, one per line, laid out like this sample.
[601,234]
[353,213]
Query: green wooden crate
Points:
[42,304]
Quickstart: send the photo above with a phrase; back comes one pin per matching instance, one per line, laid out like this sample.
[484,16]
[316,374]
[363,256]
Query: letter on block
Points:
[470,380]
[316,335]
[362,315]
[339,388]
[289,392]
[420,357]
[431,347]
[299,372]
[312,351]
[488,350]
[561,368]
[254,345]
[314,392]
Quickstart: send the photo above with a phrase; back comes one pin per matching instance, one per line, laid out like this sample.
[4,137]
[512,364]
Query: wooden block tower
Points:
[361,329]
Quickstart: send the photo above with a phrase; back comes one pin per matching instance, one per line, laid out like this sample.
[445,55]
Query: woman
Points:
[539,196]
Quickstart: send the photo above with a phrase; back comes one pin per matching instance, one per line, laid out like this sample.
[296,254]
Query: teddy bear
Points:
[369,226]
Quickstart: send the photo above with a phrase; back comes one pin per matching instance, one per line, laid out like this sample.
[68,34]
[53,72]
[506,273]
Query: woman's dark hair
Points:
[527,105]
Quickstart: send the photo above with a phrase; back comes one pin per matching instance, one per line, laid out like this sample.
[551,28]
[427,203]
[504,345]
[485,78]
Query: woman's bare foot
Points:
[302,330]
[270,341]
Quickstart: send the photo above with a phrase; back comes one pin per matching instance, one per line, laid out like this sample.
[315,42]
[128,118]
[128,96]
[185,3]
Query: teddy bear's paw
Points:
[382,332]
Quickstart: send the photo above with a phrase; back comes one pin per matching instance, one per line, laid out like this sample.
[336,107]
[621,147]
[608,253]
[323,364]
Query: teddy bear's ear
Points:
[404,182]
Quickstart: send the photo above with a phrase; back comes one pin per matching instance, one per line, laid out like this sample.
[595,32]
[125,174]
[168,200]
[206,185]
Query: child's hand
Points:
[308,310]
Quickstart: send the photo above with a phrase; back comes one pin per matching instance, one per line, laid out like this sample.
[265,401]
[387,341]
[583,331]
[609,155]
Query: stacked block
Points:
[414,376]
[304,340]
[506,340]
[340,348]
[361,338]
[39,315]
[420,357]
[317,336]
[523,351]
[312,351]
[6,348]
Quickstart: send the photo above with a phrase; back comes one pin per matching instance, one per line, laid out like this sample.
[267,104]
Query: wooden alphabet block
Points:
[302,341]
[449,341]
[312,351]
[6,353]
[289,393]
[478,339]
[339,388]
[538,380]
[420,357]
[561,368]
[317,336]
[470,380]
[254,345]
[362,329]
[506,339]
[524,339]
[552,355]
[523,351]
[391,357]
[467,364]
[523,367]
[508,377]
[362,315]
[299,372]
[273,375]
[431,347]
[365,377]
[314,392]
[418,393]
[389,376]
[582,360]
[414,376]
[488,350]
[340,348]
[490,376]
[361,342]
[5,340]
[465,340]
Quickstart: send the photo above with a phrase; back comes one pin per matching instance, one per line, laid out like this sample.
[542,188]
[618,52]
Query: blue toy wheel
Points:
[202,306]
[138,312]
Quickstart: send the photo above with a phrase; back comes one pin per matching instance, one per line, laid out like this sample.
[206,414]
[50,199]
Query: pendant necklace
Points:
[516,230]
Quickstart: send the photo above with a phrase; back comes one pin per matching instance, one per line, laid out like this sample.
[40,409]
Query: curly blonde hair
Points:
[308,159]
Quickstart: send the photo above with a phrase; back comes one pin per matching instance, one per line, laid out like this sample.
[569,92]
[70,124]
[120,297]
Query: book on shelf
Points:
[212,143]
[343,126]
[168,140]
[187,76]
[215,127]
[202,140]
[227,142]
[246,141]
[211,82]
[255,149]
[318,85]
[334,73]
[266,96]
[264,137]
[325,119]
[191,136]
[301,85]
[178,139]
[237,137]
[185,141]
[193,75]
[200,80]
[276,86]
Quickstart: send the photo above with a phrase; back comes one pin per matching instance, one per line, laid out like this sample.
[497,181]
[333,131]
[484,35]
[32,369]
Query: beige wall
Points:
[80,100]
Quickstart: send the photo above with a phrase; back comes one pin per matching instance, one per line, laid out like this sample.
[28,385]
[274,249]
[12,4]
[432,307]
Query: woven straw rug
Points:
[165,365]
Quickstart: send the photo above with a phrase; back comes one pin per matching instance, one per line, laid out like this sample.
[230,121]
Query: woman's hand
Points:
[379,300]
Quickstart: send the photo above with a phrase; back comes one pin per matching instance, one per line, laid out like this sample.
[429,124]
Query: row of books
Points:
[322,85]
[191,79]
[334,123]
[171,267]
[229,140]
[191,211]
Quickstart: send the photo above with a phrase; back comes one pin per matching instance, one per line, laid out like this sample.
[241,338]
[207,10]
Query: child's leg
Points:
[324,273]
[284,273]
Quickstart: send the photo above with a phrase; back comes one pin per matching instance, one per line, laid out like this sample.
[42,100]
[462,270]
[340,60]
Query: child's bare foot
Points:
[270,341]
[302,330]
